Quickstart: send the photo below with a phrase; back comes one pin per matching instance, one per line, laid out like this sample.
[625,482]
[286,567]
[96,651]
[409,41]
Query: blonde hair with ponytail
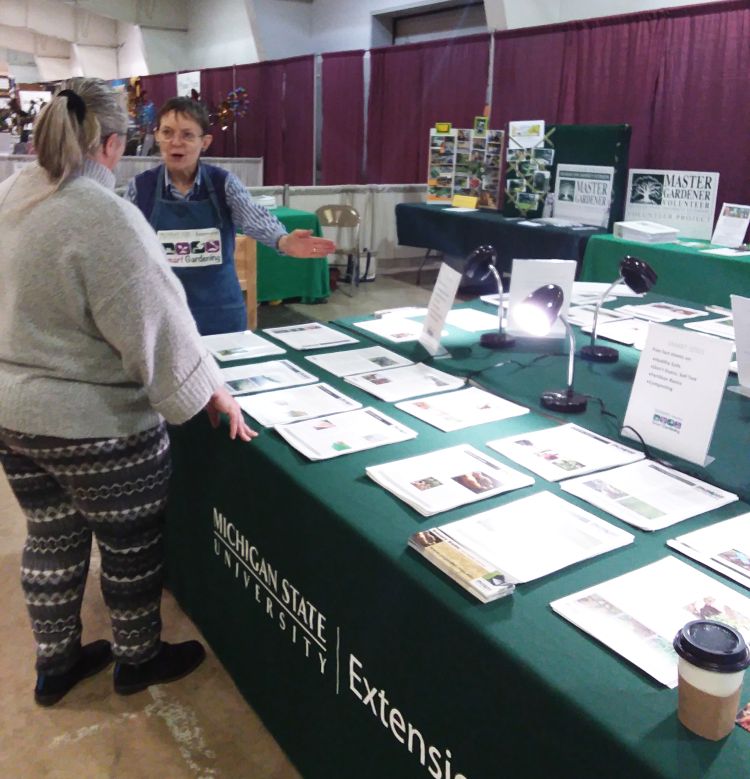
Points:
[62,141]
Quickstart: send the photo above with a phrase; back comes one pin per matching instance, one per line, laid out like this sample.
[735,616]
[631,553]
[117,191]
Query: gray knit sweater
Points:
[96,339]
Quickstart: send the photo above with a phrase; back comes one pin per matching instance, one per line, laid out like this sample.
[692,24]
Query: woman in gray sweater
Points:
[97,350]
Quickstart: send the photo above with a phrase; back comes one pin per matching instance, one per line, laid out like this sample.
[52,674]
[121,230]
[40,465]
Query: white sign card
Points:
[528,275]
[731,225]
[677,390]
[186,82]
[682,199]
[441,302]
[583,193]
[741,319]
[525,134]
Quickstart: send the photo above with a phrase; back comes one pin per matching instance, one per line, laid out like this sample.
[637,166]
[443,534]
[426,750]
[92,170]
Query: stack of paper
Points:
[638,614]
[280,407]
[660,312]
[462,408]
[351,431]
[227,347]
[518,542]
[724,546]
[261,376]
[649,495]
[564,451]
[358,360]
[312,335]
[407,382]
[392,328]
[646,232]
[442,480]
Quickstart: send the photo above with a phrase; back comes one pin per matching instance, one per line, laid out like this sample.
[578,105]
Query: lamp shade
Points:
[539,310]
[478,263]
[637,274]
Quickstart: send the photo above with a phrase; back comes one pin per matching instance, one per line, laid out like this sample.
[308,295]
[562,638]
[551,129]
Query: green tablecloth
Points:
[683,271]
[500,689]
[279,277]
[457,233]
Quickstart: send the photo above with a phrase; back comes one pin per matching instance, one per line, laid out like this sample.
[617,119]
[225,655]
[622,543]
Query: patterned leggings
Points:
[115,488]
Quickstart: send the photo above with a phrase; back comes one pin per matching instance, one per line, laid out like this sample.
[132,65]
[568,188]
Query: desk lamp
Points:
[640,277]
[480,264]
[536,314]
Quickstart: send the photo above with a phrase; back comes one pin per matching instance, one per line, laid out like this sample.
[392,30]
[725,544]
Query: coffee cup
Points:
[712,662]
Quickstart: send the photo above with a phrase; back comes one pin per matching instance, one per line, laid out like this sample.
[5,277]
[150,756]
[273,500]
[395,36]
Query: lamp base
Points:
[597,353]
[496,340]
[564,401]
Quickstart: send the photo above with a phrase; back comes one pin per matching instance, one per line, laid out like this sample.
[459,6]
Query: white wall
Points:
[219,34]
[282,29]
[164,50]
[96,61]
[131,60]
[53,68]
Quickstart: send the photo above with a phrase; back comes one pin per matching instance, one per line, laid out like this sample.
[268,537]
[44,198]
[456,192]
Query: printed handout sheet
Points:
[262,376]
[410,381]
[371,358]
[279,407]
[246,345]
[311,335]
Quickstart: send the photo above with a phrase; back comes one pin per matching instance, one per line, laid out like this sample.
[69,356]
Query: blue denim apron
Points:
[190,231]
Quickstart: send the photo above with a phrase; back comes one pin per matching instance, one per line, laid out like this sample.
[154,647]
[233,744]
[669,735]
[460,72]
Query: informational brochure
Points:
[472,321]
[595,289]
[564,451]
[280,407]
[648,495]
[407,382]
[515,543]
[741,316]
[529,275]
[638,614]
[525,134]
[723,546]
[682,199]
[351,431]
[723,327]
[462,408]
[631,332]
[731,225]
[441,302]
[354,361]
[262,376]
[311,335]
[584,193]
[228,347]
[661,311]
[393,328]
[404,312]
[677,391]
[442,480]
[583,316]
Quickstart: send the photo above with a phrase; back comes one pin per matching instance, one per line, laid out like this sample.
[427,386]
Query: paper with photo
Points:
[246,345]
[648,495]
[518,542]
[353,361]
[584,193]
[406,382]
[731,225]
[461,408]
[741,316]
[723,327]
[529,275]
[279,407]
[661,311]
[263,376]
[639,613]
[723,546]
[311,335]
[525,134]
[441,302]
[631,332]
[583,315]
[564,451]
[678,387]
[596,289]
[351,431]
[447,478]
[393,328]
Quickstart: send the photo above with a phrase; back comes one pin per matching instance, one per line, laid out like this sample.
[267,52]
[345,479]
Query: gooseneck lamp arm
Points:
[599,305]
[501,297]
[571,351]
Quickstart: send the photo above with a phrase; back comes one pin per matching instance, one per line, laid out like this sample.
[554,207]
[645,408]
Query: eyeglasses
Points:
[167,134]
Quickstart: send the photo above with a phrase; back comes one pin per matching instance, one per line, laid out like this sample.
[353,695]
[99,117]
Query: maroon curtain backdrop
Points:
[159,88]
[216,84]
[251,130]
[298,121]
[412,87]
[343,135]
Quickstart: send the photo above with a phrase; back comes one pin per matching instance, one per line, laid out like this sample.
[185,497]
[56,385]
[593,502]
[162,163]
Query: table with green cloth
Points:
[458,233]
[281,278]
[685,271]
[363,660]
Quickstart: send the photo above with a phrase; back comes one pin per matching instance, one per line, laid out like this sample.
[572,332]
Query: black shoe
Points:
[50,688]
[171,663]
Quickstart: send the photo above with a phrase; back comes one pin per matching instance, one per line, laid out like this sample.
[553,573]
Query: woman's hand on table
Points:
[302,243]
[221,402]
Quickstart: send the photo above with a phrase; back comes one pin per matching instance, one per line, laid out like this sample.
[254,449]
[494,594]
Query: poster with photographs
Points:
[528,178]
[465,162]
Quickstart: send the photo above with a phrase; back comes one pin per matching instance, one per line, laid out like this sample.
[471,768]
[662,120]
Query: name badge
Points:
[191,248]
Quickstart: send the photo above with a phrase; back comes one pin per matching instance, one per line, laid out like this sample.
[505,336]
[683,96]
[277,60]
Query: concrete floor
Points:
[197,728]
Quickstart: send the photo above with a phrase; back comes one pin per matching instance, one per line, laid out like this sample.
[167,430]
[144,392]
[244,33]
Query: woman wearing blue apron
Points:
[196,209]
